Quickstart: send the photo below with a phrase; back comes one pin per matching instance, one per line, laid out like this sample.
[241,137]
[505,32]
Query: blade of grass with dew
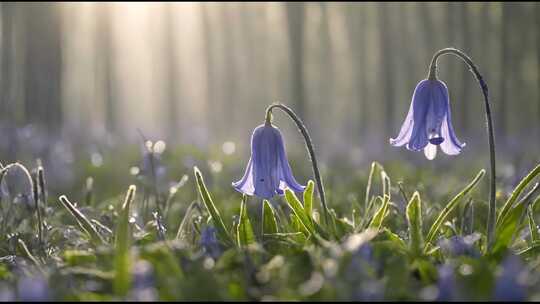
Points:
[214,213]
[298,210]
[122,280]
[180,235]
[309,224]
[532,251]
[82,220]
[532,225]
[244,230]
[378,217]
[308,197]
[511,224]
[269,225]
[517,191]
[443,215]
[24,248]
[414,222]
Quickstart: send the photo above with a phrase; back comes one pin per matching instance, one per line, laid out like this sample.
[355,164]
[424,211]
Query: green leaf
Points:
[381,213]
[308,197]
[269,219]
[122,278]
[214,213]
[299,210]
[83,221]
[443,215]
[511,223]
[368,186]
[515,194]
[532,251]
[414,221]
[532,225]
[244,230]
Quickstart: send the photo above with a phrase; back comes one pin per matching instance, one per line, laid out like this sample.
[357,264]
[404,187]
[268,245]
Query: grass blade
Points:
[414,221]
[211,208]
[244,230]
[532,225]
[380,215]
[298,210]
[121,281]
[269,225]
[511,223]
[82,220]
[308,197]
[517,191]
[443,215]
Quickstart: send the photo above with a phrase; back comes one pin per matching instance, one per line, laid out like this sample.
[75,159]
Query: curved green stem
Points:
[309,146]
[489,127]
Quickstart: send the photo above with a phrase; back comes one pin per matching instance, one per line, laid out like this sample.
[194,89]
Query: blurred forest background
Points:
[78,76]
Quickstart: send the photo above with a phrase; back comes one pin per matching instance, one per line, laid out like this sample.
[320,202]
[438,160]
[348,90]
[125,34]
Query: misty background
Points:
[79,76]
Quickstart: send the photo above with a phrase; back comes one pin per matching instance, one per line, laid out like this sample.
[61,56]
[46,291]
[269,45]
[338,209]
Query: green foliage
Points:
[211,208]
[443,215]
[244,231]
[122,243]
[414,222]
[82,220]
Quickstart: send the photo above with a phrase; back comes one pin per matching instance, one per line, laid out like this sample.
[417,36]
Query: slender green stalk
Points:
[489,127]
[309,146]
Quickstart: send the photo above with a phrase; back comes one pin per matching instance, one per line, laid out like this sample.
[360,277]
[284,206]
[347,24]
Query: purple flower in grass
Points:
[268,171]
[428,123]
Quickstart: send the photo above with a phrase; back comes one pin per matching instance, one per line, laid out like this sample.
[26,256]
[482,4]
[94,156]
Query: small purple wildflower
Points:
[210,243]
[268,171]
[460,245]
[428,123]
[510,284]
[446,283]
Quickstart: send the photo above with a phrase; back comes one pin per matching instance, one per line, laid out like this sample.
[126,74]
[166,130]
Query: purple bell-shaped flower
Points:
[268,171]
[428,123]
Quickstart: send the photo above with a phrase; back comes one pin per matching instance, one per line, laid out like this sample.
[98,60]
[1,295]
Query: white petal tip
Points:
[430,151]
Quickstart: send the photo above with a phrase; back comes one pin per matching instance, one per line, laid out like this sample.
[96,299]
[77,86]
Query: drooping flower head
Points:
[428,123]
[268,171]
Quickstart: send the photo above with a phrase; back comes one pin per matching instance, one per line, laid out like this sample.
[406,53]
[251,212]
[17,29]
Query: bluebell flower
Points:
[268,171]
[428,123]
[510,284]
[446,283]
[460,245]
[209,242]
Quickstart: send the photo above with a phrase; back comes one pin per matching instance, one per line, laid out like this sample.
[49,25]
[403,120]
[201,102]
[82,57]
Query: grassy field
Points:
[181,232]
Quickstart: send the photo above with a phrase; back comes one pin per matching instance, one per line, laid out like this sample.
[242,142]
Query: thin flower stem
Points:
[489,126]
[309,146]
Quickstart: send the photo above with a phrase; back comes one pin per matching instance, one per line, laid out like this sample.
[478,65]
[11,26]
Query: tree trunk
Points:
[106,61]
[387,64]
[43,66]
[170,53]
[505,69]
[295,22]
[465,73]
[356,25]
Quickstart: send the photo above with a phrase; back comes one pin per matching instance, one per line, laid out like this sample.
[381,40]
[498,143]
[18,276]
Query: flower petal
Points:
[245,184]
[285,176]
[421,101]
[265,160]
[451,145]
[430,151]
